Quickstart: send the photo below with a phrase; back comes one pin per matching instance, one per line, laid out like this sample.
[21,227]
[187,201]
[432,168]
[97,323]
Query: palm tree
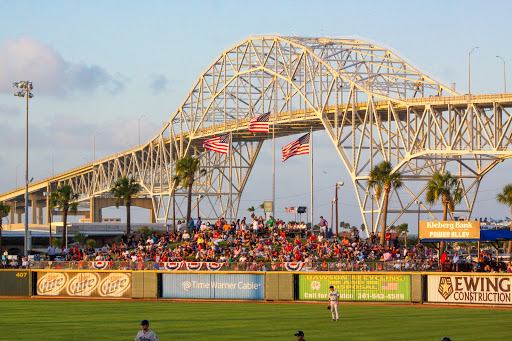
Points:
[403,228]
[382,177]
[252,209]
[175,182]
[66,200]
[186,169]
[446,187]
[124,189]
[4,211]
[505,198]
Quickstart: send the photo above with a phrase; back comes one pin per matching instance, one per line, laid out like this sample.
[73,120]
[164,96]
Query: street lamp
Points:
[504,75]
[338,184]
[469,68]
[417,202]
[140,118]
[25,87]
[199,198]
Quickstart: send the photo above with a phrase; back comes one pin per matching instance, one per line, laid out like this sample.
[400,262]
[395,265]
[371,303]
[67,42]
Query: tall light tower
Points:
[504,74]
[25,87]
[469,68]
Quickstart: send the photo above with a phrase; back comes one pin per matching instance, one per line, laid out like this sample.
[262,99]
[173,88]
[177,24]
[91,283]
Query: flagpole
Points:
[311,152]
[230,175]
[274,156]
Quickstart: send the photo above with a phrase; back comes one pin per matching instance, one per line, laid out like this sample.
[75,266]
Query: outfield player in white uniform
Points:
[334,300]
[146,334]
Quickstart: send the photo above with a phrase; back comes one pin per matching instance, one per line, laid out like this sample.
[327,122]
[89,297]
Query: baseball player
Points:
[146,334]
[334,300]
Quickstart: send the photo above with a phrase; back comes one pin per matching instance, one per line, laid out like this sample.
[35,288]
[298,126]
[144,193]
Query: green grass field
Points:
[119,320]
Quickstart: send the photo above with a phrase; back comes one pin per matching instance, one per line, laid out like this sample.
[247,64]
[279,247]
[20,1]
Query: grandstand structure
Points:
[373,104]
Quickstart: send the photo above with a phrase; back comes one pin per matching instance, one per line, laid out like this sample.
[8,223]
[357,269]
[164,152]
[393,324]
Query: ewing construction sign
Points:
[493,289]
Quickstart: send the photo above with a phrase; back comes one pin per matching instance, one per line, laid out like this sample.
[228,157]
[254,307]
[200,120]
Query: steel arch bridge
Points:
[373,104]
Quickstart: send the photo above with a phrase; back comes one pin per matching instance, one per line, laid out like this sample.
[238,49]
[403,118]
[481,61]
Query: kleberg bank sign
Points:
[236,286]
[492,289]
[454,230]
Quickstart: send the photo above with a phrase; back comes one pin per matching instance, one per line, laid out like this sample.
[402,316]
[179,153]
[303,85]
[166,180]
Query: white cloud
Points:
[159,83]
[28,59]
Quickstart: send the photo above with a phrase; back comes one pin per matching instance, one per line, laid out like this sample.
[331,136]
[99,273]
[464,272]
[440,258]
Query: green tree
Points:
[262,207]
[382,178]
[186,169]
[66,200]
[505,198]
[403,228]
[90,243]
[251,210]
[124,190]
[4,211]
[446,187]
[80,238]
[175,183]
[56,242]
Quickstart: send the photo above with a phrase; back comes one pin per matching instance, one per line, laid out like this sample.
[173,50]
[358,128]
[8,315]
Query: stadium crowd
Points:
[265,245]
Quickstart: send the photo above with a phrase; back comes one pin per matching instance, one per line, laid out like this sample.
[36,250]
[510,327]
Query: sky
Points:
[101,67]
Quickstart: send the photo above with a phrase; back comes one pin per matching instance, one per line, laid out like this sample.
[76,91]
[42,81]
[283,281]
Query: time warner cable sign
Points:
[470,289]
[235,286]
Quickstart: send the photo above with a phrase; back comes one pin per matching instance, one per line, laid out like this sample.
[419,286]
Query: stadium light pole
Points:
[25,87]
[417,202]
[338,184]
[140,118]
[469,68]
[504,74]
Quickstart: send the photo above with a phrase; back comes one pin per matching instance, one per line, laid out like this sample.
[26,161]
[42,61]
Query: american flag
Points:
[218,144]
[259,124]
[298,147]
[389,286]
[290,209]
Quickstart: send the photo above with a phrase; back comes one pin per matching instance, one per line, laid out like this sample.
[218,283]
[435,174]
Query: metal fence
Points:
[397,265]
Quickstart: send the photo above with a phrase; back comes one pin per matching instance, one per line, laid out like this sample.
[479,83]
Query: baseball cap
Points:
[331,287]
[144,322]
[321,216]
[299,333]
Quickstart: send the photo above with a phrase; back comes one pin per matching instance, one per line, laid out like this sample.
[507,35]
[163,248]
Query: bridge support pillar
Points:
[152,217]
[95,210]
[97,204]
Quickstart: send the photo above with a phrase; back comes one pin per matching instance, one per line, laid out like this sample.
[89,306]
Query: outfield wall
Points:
[439,288]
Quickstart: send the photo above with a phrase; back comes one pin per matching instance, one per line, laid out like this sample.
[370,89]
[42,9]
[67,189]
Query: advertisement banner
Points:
[235,286]
[84,284]
[451,230]
[469,289]
[356,287]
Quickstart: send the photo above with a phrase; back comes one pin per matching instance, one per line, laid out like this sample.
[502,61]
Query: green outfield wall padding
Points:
[15,282]
[417,288]
[137,284]
[150,285]
[272,286]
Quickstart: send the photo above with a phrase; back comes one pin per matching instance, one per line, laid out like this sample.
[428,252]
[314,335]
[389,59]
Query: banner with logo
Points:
[449,230]
[492,289]
[235,286]
[84,284]
[356,287]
